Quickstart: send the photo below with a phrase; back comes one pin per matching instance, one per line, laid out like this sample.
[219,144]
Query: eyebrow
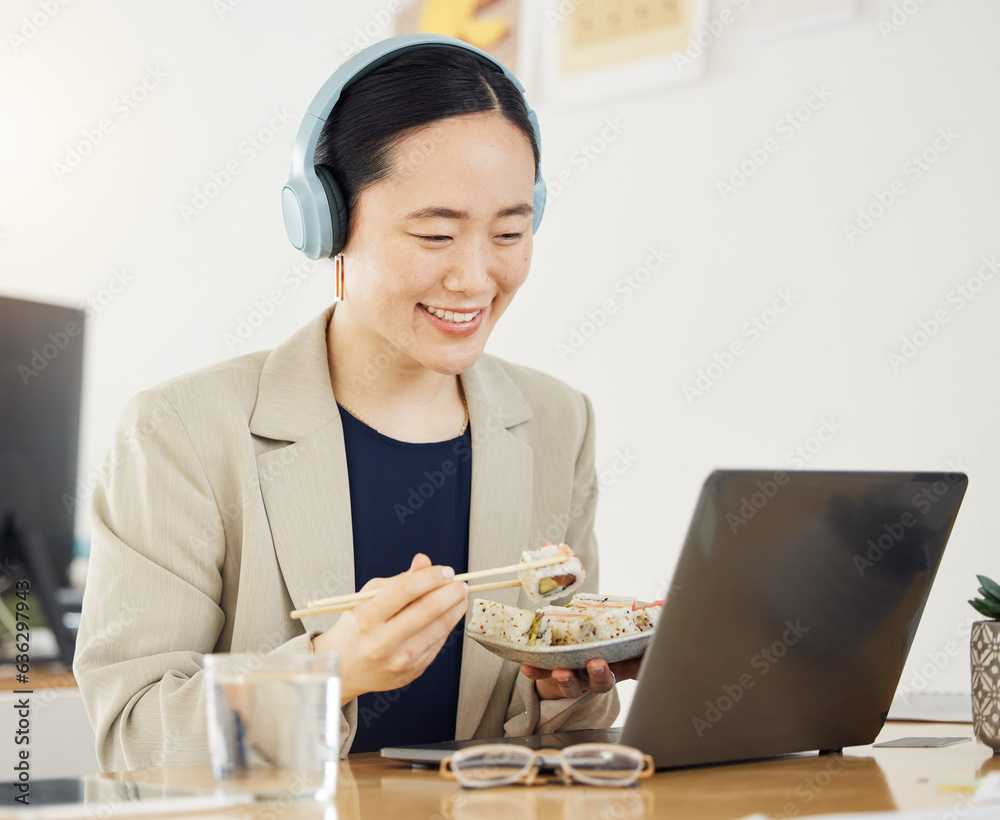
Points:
[521,209]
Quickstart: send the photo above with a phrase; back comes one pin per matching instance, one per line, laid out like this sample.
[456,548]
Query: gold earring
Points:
[340,275]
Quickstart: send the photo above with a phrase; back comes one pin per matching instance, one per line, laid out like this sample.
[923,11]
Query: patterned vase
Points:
[985,653]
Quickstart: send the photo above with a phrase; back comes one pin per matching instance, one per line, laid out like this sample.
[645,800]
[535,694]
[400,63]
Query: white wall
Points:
[217,80]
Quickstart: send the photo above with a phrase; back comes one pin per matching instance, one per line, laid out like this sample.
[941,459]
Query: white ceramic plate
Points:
[567,657]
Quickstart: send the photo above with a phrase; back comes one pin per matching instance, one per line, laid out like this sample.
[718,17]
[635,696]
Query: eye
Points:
[511,237]
[433,240]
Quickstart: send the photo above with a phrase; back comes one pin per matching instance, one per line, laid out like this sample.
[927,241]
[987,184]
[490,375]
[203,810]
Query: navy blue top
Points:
[408,498]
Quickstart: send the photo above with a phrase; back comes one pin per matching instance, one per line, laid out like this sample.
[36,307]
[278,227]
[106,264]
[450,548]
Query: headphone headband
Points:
[313,207]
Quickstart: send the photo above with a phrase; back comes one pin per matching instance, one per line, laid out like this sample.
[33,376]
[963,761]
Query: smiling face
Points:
[439,247]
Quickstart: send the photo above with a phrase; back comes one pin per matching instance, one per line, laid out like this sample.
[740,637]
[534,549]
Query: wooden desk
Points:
[41,676]
[862,779]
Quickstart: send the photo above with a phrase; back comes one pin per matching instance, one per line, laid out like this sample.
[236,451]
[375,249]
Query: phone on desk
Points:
[101,797]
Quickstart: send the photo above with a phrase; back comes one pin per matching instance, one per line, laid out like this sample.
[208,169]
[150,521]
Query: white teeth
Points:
[451,316]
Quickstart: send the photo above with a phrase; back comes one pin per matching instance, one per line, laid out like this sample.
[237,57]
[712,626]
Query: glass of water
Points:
[274,722]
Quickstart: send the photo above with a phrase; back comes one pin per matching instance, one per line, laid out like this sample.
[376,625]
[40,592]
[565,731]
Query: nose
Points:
[470,272]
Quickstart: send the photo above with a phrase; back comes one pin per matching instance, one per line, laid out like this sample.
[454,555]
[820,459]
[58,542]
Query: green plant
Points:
[989,604]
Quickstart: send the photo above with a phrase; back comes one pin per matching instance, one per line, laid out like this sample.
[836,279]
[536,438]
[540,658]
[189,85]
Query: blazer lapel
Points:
[304,483]
[307,497]
[500,515]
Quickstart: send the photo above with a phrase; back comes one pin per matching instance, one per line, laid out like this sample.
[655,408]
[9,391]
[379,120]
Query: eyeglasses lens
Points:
[490,766]
[604,765]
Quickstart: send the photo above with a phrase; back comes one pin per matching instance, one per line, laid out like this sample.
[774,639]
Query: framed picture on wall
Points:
[591,50]
[501,28]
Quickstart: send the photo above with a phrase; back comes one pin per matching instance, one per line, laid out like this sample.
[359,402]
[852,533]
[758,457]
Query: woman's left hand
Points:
[598,677]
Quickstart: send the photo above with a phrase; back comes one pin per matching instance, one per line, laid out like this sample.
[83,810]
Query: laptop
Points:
[792,608]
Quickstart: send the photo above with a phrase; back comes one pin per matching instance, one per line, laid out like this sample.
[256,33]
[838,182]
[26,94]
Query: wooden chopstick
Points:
[464,576]
[494,585]
[486,573]
[342,603]
[346,605]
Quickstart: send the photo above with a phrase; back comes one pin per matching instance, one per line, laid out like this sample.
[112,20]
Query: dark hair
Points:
[405,94]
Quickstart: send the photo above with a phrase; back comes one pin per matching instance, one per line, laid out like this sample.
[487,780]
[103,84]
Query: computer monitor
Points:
[41,380]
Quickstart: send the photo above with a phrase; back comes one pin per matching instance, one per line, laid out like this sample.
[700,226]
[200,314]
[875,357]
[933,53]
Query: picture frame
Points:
[501,28]
[592,50]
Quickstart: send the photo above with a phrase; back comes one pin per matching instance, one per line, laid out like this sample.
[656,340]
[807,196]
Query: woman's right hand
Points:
[389,640]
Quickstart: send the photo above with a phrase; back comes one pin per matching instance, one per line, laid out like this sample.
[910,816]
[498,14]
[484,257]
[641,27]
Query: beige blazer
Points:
[224,505]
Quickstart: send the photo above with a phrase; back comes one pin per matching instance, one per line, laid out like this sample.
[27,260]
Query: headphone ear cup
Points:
[338,208]
[538,205]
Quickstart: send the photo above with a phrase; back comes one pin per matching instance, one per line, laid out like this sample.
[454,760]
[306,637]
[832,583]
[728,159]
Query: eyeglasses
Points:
[595,764]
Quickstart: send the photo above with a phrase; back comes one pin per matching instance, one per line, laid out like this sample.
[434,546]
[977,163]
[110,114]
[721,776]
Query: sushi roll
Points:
[555,581]
[591,602]
[613,623]
[647,616]
[506,623]
[560,626]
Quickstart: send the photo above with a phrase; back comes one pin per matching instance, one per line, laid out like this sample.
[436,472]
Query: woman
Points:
[378,446]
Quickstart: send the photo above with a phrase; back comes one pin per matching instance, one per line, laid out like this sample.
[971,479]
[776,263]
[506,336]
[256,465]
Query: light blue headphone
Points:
[313,206]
